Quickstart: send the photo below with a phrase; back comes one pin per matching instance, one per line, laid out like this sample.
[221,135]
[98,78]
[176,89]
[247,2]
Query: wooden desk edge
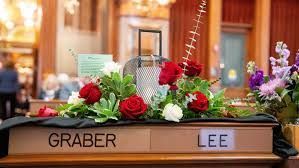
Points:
[135,159]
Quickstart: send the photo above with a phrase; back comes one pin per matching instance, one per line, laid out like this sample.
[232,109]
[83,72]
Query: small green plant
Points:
[122,87]
[105,109]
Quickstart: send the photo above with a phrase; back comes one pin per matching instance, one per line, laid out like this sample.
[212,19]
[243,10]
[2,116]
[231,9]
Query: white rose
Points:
[111,67]
[172,112]
[74,98]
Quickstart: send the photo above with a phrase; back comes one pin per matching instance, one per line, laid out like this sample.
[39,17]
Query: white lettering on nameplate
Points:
[216,139]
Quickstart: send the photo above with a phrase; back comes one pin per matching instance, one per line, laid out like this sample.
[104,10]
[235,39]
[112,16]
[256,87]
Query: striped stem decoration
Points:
[194,33]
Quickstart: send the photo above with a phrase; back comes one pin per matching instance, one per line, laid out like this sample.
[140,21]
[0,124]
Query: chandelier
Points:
[148,5]
[71,5]
[17,15]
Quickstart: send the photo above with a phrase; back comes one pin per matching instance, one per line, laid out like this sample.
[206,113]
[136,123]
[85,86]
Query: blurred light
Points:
[71,5]
[27,9]
[163,2]
[39,16]
[9,25]
[3,14]
[147,5]
[25,70]
[28,23]
[222,65]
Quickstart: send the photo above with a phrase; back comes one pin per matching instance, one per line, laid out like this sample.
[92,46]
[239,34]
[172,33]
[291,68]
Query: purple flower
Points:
[293,69]
[285,53]
[280,72]
[267,90]
[273,61]
[256,80]
[297,58]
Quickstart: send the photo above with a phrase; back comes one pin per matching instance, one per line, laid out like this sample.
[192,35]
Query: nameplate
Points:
[216,139]
[140,139]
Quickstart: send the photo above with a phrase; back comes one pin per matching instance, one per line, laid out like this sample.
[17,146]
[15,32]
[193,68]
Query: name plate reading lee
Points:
[216,139]
[140,139]
[91,64]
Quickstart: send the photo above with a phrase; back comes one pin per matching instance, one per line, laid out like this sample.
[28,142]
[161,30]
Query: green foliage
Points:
[73,111]
[121,87]
[159,98]
[114,89]
[218,106]
[295,94]
[105,109]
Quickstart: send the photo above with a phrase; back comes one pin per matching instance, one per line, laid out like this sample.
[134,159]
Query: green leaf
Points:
[219,95]
[116,77]
[295,96]
[129,91]
[115,109]
[128,79]
[108,113]
[101,120]
[63,107]
[197,81]
[112,98]
[75,107]
[104,103]
[287,99]
[113,118]
[279,90]
[97,105]
[266,79]
[284,93]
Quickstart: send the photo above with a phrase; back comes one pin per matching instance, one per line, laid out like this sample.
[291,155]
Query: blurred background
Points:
[37,34]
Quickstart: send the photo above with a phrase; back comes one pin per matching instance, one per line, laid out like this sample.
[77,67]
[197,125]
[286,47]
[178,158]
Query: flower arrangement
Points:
[109,97]
[278,92]
[185,95]
[181,96]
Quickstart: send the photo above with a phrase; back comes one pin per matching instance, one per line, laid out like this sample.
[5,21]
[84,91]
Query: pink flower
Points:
[268,89]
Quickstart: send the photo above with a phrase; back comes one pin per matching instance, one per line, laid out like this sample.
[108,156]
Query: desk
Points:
[144,160]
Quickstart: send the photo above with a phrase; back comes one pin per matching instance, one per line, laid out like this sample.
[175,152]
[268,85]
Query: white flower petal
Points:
[172,112]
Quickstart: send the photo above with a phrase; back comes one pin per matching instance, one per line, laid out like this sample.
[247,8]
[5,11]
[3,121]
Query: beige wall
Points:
[70,38]
[128,25]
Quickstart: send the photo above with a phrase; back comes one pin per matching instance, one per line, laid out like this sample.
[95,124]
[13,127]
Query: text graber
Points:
[103,140]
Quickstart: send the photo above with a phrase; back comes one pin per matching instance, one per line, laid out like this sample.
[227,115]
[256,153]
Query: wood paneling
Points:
[238,11]
[113,28]
[285,25]
[47,39]
[214,29]
[260,35]
[181,22]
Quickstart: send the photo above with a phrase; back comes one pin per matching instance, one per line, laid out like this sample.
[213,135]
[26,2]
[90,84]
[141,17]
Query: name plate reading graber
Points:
[92,140]
[210,139]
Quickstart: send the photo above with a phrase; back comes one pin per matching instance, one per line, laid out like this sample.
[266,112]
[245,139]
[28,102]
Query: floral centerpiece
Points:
[181,96]
[278,92]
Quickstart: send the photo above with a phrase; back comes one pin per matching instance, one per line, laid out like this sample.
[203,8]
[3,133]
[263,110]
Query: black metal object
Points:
[146,68]
[140,31]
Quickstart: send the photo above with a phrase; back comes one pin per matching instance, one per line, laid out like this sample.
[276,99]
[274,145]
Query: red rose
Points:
[132,107]
[201,103]
[192,68]
[91,93]
[170,73]
[47,112]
